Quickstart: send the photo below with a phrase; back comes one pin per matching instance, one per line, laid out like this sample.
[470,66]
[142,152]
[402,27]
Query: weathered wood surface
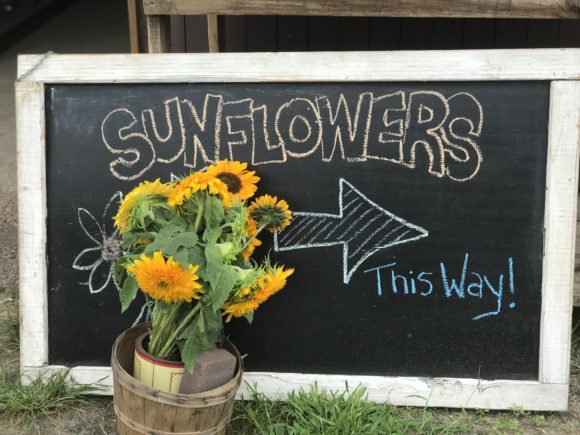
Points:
[371,8]
[142,409]
[559,231]
[158,34]
[32,224]
[465,65]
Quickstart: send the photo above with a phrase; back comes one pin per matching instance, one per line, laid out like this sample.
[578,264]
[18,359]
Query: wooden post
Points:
[212,33]
[158,34]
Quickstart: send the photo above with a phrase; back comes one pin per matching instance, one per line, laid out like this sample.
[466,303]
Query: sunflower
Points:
[241,182]
[252,230]
[166,280]
[271,283]
[146,188]
[240,309]
[196,182]
[259,291]
[270,213]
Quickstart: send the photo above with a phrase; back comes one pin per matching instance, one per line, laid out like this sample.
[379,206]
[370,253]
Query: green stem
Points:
[173,339]
[149,310]
[253,237]
[162,329]
[198,217]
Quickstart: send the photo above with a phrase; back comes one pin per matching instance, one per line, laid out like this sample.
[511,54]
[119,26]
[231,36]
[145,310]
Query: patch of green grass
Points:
[10,333]
[26,404]
[10,292]
[333,413]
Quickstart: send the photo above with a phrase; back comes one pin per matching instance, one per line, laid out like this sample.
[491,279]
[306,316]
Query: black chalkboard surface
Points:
[418,231]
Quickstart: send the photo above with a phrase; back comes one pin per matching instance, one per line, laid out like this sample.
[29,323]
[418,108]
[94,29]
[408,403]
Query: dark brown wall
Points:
[281,33]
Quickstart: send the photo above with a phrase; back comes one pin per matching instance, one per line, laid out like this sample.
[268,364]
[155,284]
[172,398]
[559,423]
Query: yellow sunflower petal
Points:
[240,309]
[196,182]
[165,279]
[271,283]
[240,182]
[145,188]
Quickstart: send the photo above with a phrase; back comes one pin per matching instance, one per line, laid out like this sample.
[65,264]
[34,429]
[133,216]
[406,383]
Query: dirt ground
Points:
[97,415]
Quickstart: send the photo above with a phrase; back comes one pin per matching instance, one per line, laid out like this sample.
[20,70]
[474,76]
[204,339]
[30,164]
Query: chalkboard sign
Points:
[422,224]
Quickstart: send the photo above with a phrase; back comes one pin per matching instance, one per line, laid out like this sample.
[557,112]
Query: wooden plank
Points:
[464,65]
[447,34]
[511,33]
[323,33]
[353,33]
[234,31]
[569,33]
[196,34]
[133,25]
[292,33]
[177,34]
[212,34]
[385,34]
[158,34]
[406,391]
[375,8]
[260,33]
[478,34]
[32,224]
[543,33]
[416,33]
[560,224]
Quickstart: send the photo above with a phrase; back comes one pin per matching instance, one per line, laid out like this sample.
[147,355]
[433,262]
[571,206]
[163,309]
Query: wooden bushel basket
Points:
[141,409]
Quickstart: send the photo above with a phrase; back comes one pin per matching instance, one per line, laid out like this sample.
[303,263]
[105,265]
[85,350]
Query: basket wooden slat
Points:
[141,409]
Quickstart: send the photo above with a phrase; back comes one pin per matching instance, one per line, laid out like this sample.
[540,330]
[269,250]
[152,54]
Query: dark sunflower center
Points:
[232,181]
[163,284]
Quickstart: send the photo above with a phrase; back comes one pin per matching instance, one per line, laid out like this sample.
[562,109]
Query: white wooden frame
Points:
[561,67]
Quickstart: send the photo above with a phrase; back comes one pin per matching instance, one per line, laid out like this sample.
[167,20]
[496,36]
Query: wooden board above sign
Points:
[434,211]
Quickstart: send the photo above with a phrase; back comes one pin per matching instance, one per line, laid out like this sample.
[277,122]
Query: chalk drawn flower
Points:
[106,249]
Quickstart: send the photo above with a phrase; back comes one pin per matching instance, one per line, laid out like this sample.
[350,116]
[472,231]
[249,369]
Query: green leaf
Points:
[222,279]
[182,257]
[128,292]
[213,320]
[119,269]
[214,212]
[213,256]
[249,317]
[197,342]
[212,234]
[170,239]
[186,240]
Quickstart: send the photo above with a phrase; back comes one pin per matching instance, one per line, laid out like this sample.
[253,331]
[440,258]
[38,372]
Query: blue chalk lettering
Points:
[426,281]
[378,270]
[511,269]
[512,305]
[497,293]
[454,287]
[394,278]
[478,285]
[413,285]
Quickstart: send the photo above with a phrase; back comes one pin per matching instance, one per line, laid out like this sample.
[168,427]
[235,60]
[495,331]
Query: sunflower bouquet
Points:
[187,245]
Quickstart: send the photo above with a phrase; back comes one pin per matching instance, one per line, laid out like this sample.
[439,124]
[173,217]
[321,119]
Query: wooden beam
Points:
[212,34]
[133,25]
[374,66]
[158,34]
[371,8]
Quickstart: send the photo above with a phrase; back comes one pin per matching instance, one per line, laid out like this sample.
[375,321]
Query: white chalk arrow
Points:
[361,227]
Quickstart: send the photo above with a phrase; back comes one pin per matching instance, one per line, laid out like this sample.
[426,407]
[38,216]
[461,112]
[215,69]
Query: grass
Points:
[10,333]
[43,397]
[333,413]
